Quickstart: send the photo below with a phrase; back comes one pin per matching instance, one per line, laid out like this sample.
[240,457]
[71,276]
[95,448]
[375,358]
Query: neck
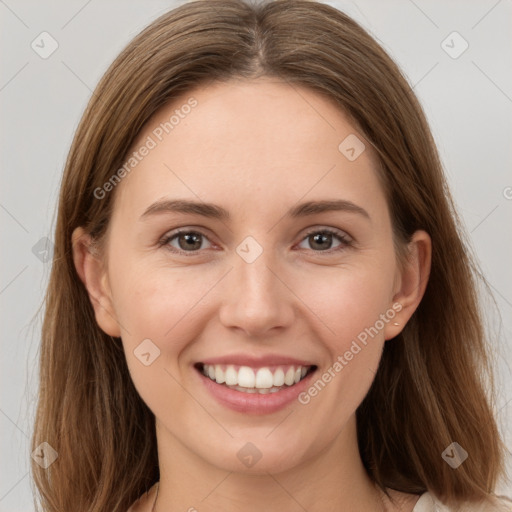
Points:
[333,479]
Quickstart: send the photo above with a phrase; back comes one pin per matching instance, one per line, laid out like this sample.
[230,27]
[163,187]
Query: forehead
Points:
[249,143]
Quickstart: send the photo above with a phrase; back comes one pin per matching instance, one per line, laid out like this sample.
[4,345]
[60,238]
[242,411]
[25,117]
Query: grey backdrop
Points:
[47,78]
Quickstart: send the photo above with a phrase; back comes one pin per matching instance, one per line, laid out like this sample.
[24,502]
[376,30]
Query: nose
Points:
[256,297]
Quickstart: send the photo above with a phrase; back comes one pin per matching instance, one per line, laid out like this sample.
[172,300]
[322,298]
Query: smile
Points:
[267,379]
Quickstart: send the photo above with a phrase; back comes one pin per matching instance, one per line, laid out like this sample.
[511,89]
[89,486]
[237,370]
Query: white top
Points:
[428,503]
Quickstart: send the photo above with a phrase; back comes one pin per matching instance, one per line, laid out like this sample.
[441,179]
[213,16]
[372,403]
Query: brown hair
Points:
[430,387]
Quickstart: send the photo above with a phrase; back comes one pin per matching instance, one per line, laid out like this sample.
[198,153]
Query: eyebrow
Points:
[218,212]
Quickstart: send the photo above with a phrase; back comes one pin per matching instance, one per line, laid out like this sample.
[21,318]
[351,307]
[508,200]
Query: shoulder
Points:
[430,503]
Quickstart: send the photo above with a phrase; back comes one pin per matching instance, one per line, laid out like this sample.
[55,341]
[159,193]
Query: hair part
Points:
[429,390]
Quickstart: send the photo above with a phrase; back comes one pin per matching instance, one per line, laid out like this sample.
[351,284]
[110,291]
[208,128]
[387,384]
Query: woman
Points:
[201,350]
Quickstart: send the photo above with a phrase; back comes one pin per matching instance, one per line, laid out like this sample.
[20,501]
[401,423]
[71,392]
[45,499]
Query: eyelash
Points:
[342,237]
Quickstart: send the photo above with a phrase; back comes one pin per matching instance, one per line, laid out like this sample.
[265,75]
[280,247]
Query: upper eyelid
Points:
[336,231]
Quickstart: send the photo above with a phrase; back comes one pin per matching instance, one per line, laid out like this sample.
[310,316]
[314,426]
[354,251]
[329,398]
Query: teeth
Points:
[219,375]
[289,378]
[231,376]
[246,377]
[264,380]
[279,377]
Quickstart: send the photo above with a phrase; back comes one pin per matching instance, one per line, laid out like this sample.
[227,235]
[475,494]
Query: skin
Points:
[256,148]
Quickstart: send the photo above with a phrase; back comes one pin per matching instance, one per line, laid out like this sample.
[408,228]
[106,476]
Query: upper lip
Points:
[259,361]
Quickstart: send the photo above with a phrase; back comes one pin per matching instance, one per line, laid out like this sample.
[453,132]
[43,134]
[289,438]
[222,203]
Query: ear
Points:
[411,282]
[91,269]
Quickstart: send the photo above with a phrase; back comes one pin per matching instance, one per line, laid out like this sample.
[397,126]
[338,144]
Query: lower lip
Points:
[255,403]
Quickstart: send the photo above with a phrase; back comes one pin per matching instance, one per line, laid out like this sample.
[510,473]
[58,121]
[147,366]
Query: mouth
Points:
[261,380]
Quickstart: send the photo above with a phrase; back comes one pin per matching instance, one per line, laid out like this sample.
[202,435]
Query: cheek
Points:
[159,304]
[350,302]
[168,307]
[351,308]
[160,314]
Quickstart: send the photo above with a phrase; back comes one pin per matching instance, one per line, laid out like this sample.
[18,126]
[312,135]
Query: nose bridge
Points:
[257,299]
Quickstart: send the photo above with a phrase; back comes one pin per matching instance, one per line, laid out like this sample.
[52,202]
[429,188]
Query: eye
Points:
[188,242]
[321,239]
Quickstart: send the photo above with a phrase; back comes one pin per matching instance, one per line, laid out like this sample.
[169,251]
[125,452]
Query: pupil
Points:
[190,238]
[322,236]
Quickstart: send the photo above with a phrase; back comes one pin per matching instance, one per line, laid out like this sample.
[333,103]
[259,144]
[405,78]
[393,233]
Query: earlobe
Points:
[92,273]
[412,282]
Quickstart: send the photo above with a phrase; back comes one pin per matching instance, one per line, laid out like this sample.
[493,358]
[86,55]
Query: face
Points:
[268,285]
